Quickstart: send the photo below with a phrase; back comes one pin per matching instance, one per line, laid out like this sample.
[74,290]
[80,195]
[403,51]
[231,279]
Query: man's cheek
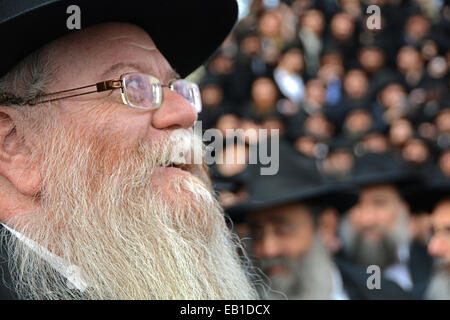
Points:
[447,250]
[94,117]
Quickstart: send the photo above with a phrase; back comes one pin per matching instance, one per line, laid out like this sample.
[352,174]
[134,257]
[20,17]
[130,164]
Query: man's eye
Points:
[137,84]
[380,202]
[446,232]
[257,234]
[286,229]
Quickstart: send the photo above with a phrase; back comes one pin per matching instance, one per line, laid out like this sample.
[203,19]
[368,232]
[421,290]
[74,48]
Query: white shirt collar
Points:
[338,286]
[290,84]
[71,272]
[399,272]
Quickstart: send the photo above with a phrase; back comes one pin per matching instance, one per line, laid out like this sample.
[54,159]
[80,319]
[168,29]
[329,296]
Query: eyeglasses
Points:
[138,90]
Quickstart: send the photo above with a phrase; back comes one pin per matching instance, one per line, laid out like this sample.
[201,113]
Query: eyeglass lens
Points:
[145,91]
[142,91]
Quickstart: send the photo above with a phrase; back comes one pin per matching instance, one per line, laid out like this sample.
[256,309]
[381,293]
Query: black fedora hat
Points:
[433,187]
[186,32]
[298,180]
[381,168]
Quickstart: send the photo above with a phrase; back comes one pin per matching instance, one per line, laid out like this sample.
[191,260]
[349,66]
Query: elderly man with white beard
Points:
[286,215]
[99,196]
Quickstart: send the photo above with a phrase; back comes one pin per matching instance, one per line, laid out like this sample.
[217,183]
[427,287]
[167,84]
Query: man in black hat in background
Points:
[376,230]
[432,196]
[98,197]
[439,246]
[284,214]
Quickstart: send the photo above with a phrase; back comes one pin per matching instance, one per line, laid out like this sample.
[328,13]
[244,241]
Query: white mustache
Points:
[182,148]
[131,238]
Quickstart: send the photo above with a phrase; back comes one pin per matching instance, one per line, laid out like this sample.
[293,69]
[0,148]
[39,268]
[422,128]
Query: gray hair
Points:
[27,80]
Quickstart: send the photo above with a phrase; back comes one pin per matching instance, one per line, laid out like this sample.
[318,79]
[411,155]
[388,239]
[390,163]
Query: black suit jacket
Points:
[355,284]
[420,267]
[6,292]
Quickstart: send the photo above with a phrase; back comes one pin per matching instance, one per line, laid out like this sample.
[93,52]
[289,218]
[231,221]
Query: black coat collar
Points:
[355,284]
[6,292]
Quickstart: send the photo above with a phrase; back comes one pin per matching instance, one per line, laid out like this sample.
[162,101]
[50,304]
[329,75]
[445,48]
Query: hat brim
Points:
[371,179]
[424,199]
[342,198]
[186,32]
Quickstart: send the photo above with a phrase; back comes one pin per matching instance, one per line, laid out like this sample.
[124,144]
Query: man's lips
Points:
[176,168]
[179,169]
[277,270]
[186,170]
[182,166]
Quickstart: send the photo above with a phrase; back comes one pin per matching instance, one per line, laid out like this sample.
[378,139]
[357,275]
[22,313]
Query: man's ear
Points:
[327,224]
[406,207]
[15,155]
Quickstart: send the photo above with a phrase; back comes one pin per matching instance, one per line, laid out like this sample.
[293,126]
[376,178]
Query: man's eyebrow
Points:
[277,219]
[445,229]
[174,75]
[121,66]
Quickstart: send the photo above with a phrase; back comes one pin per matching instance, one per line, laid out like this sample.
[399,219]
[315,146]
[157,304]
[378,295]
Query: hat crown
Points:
[298,180]
[296,172]
[186,32]
[11,9]
[380,168]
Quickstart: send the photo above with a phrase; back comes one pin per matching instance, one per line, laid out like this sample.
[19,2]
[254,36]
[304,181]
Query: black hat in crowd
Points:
[234,182]
[228,183]
[381,168]
[298,180]
[186,32]
[340,144]
[433,187]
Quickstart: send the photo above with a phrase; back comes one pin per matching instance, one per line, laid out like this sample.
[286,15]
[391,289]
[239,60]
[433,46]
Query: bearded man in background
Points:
[376,230]
[439,247]
[289,216]
[432,197]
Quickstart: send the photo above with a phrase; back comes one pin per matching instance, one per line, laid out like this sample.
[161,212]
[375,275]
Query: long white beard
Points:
[99,210]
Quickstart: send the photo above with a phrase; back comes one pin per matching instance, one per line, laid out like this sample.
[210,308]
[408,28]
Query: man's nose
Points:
[369,217]
[174,112]
[436,247]
[267,247]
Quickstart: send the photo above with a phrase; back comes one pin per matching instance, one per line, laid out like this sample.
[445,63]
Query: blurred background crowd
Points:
[339,94]
[334,88]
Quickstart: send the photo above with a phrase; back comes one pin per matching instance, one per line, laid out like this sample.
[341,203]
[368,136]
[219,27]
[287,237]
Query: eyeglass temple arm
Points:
[109,85]
[101,86]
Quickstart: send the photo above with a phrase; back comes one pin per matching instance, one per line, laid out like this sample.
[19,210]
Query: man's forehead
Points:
[378,190]
[101,35]
[126,67]
[108,50]
[441,213]
[279,214]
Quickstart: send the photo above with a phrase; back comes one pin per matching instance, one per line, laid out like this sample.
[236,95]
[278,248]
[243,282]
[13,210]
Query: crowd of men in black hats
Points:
[363,118]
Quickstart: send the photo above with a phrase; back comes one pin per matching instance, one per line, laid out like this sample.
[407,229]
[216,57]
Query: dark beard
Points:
[310,277]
